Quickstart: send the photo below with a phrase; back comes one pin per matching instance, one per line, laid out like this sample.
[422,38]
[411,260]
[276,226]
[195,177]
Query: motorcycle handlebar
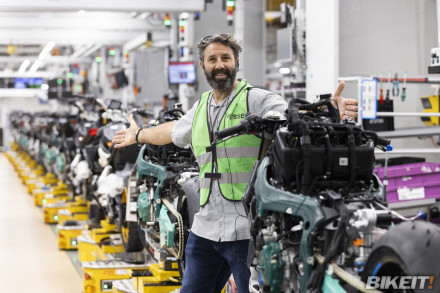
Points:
[174,111]
[141,112]
[251,123]
[378,140]
[231,131]
[382,141]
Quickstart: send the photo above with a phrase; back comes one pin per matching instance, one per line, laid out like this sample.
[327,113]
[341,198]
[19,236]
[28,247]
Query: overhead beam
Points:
[23,93]
[64,36]
[28,50]
[49,60]
[411,132]
[141,39]
[115,23]
[14,74]
[113,5]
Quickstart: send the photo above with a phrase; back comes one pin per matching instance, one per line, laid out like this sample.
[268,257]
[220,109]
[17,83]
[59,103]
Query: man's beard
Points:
[223,84]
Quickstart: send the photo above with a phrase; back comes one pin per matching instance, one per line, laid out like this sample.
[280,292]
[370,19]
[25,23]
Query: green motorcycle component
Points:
[143,206]
[271,266]
[50,157]
[60,163]
[150,169]
[166,229]
[42,151]
[24,141]
[331,285]
[269,198]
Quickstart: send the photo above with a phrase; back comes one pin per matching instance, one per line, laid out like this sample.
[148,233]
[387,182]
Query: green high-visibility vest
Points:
[234,157]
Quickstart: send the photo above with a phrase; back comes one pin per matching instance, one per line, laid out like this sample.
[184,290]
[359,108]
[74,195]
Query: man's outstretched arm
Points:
[158,135]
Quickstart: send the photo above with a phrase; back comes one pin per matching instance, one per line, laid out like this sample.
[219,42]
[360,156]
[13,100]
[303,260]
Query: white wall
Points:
[249,28]
[377,36]
[322,47]
[212,21]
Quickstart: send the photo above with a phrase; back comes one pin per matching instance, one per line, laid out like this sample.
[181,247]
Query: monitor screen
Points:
[181,72]
[28,82]
[284,45]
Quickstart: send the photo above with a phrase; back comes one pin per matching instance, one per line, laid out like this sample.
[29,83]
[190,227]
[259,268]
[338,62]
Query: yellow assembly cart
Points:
[100,275]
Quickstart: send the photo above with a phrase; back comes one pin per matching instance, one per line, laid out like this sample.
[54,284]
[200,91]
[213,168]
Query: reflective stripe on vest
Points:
[235,157]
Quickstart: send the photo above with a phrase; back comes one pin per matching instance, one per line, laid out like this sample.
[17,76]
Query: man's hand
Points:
[127,136]
[346,107]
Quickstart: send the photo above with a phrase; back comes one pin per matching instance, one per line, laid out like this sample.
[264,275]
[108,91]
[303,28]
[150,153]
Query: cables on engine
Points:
[317,277]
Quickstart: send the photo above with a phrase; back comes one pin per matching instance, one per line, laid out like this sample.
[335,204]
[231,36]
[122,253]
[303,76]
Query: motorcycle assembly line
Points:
[90,190]
[318,214]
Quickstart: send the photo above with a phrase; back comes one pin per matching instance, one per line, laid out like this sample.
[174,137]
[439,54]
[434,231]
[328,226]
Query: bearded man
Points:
[218,243]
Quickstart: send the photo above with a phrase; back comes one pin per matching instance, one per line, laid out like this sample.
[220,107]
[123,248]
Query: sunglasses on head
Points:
[209,38]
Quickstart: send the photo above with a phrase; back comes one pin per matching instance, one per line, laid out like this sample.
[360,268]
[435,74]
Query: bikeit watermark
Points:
[400,282]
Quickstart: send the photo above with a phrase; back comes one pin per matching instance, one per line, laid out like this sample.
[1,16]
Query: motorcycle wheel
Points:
[119,207]
[95,214]
[407,249]
[191,201]
[188,205]
[131,237]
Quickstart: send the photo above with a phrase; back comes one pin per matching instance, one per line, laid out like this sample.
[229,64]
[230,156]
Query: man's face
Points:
[219,66]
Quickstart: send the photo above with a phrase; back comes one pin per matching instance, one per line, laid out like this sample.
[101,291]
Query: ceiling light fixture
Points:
[24,66]
[82,11]
[46,50]
[284,70]
[35,66]
[144,15]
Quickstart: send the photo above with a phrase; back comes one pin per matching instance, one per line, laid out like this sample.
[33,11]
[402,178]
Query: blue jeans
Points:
[209,264]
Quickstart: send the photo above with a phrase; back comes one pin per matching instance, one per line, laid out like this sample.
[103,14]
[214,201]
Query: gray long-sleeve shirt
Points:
[221,219]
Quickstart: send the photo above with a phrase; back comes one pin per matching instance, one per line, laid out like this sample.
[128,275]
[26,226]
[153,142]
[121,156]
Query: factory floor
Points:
[30,260]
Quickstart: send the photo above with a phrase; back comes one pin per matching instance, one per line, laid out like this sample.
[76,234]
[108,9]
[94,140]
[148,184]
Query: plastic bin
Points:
[412,181]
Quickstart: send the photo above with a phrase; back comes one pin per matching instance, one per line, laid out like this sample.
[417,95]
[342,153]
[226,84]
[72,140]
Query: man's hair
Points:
[225,39]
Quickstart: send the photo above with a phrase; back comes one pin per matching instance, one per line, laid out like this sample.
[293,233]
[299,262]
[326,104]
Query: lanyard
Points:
[211,124]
